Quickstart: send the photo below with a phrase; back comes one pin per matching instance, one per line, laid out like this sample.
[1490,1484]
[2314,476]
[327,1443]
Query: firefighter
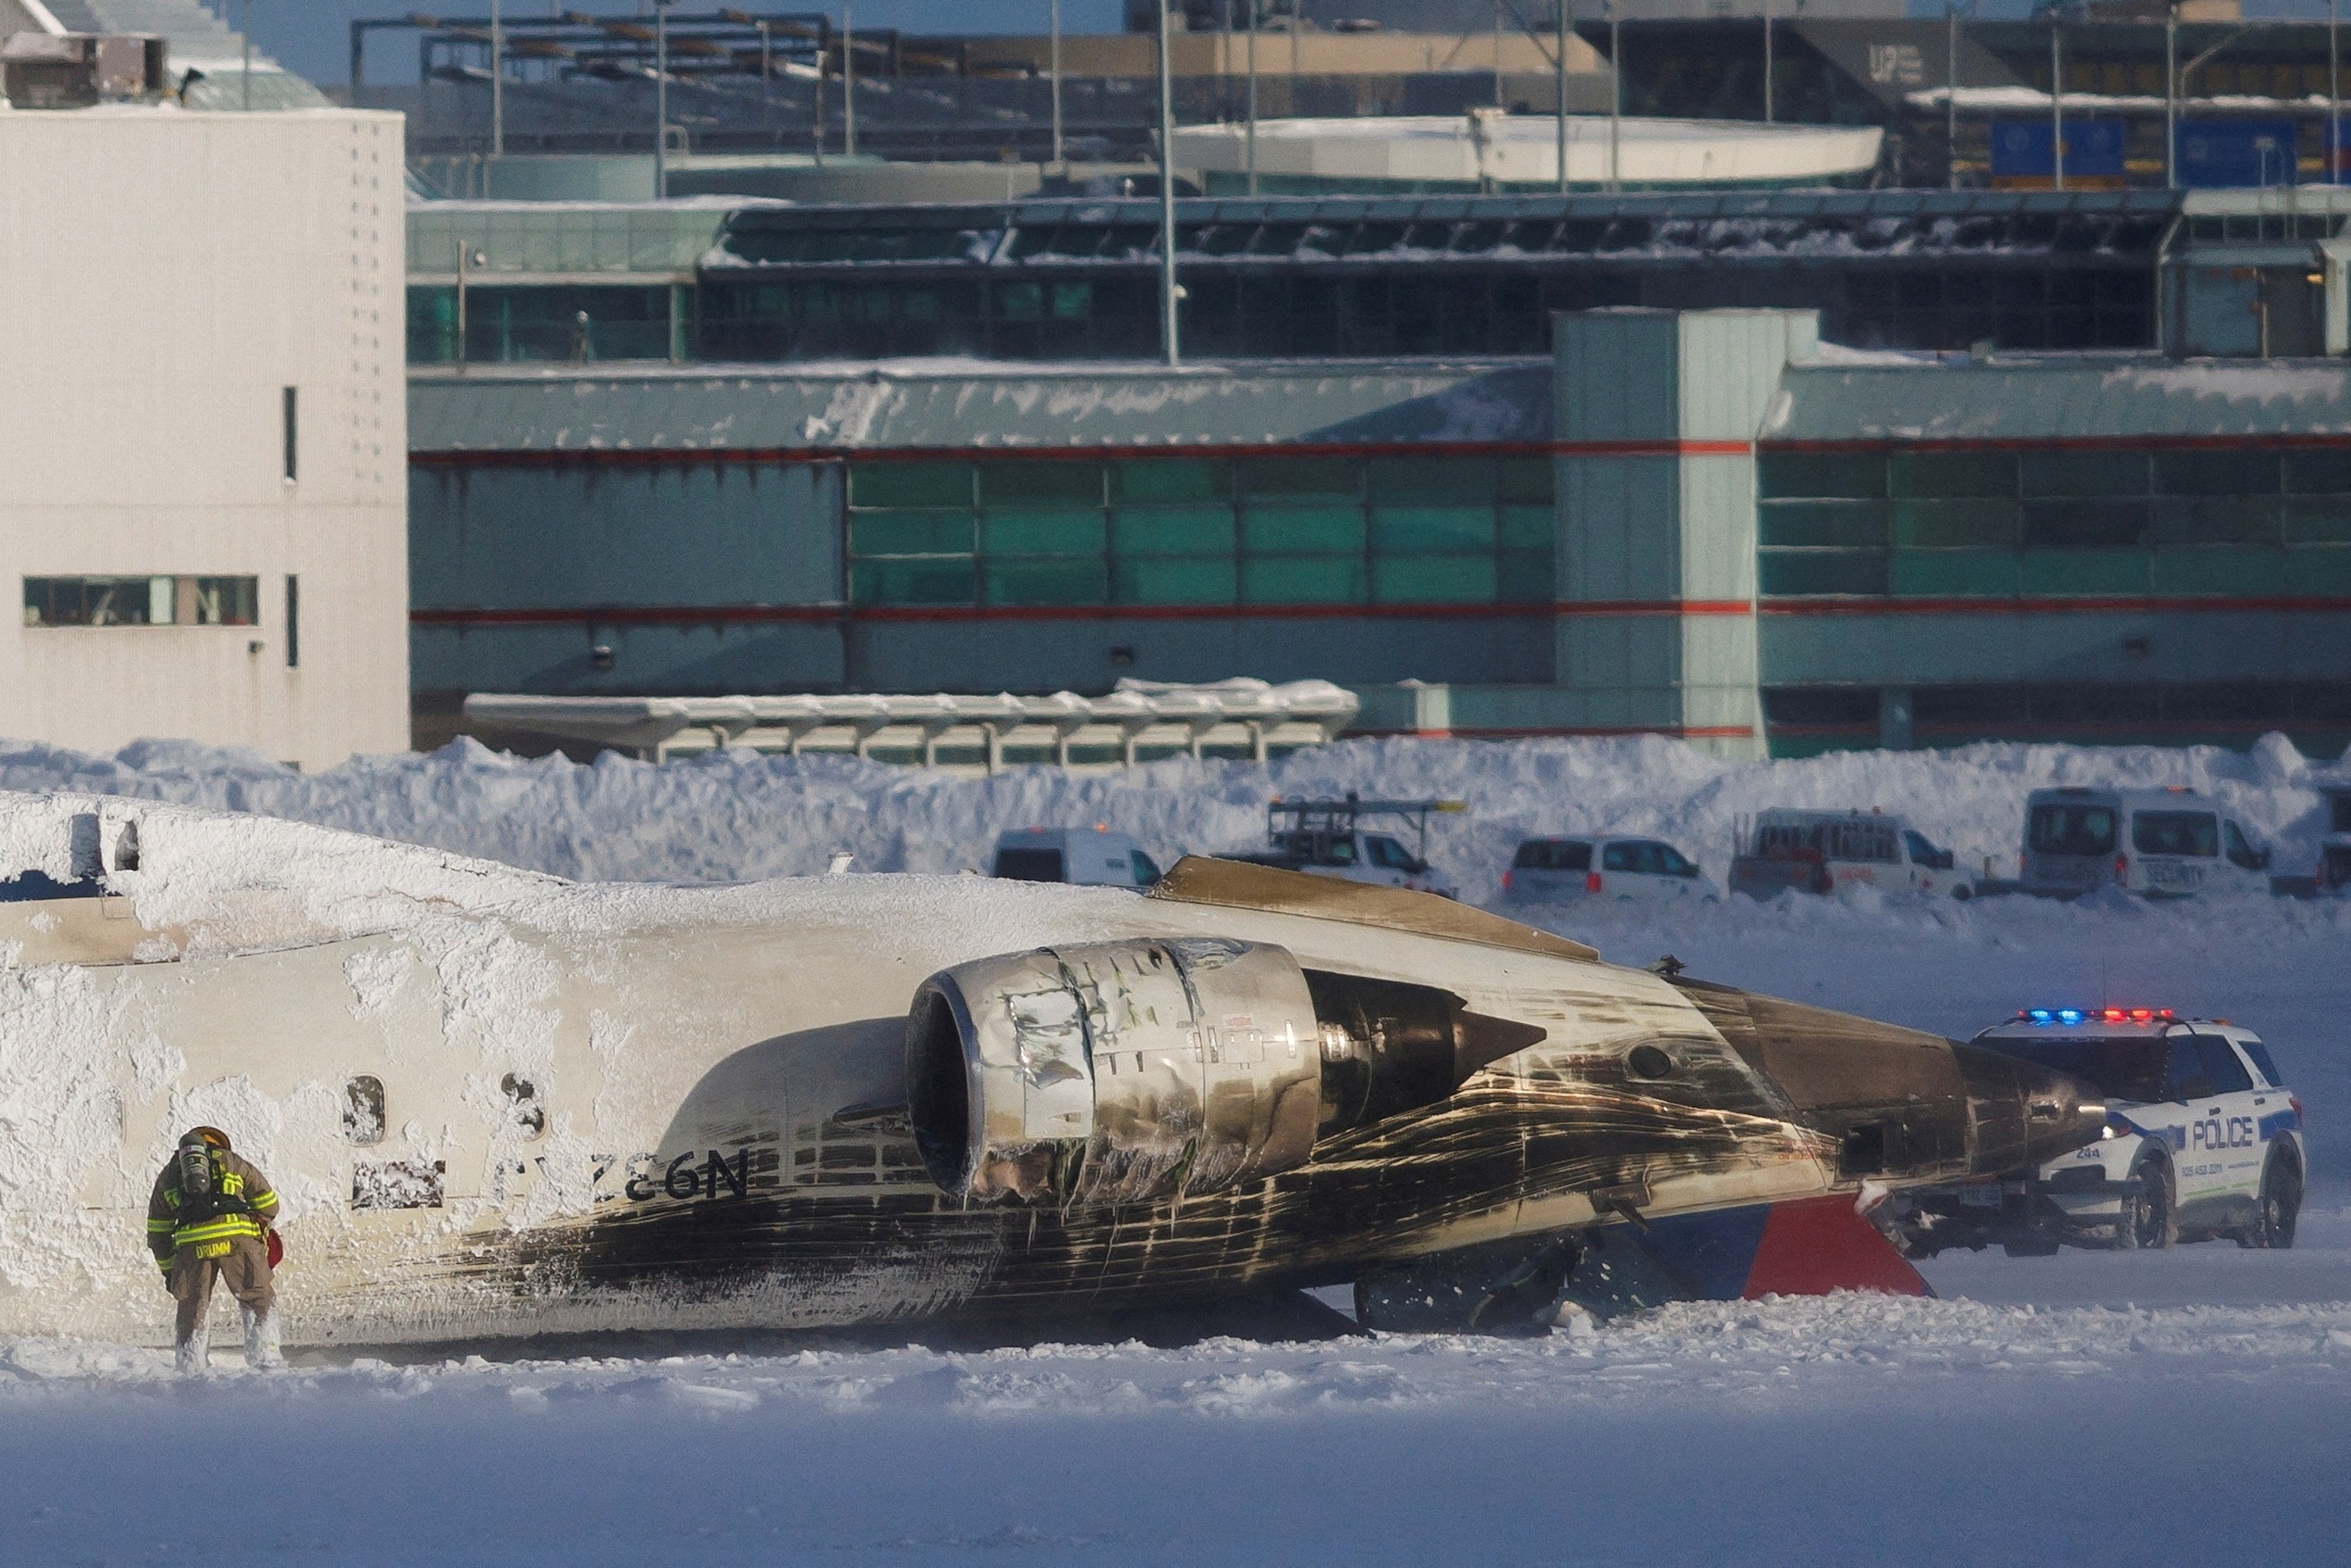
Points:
[210,1218]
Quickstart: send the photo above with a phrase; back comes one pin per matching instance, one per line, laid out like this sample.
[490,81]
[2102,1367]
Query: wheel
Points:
[2036,1248]
[2281,1203]
[2148,1220]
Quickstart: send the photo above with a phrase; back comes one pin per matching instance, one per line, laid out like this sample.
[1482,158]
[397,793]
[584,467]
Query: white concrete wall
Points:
[163,276]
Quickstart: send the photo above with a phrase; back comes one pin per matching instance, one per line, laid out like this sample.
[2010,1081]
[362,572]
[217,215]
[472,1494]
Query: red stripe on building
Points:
[2151,441]
[2081,605]
[737,456]
[1654,607]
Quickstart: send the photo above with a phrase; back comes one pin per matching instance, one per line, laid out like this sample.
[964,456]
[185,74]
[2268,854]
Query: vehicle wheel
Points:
[2035,1249]
[2280,1204]
[2149,1219]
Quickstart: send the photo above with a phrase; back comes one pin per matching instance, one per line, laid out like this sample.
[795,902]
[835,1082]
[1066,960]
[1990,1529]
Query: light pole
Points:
[2333,92]
[661,100]
[848,83]
[1766,62]
[1560,16]
[2056,101]
[2171,95]
[1616,94]
[1249,136]
[1168,292]
[1059,161]
[497,83]
[245,78]
[1951,89]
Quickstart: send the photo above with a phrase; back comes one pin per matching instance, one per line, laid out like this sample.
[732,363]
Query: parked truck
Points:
[1783,851]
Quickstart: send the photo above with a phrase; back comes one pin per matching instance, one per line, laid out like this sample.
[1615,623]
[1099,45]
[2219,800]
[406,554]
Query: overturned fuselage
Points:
[497,1103]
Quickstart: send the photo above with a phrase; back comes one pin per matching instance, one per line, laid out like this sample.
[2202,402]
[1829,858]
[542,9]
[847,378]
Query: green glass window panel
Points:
[1429,481]
[941,582]
[1019,302]
[2318,519]
[1432,531]
[1209,579]
[2086,524]
[1821,475]
[1071,301]
[1027,532]
[1335,478]
[1526,479]
[910,533]
[910,485]
[1967,573]
[2216,520]
[1931,476]
[2216,472]
[1987,524]
[1081,581]
[1434,579]
[1299,530]
[2319,569]
[920,307]
[1816,572]
[1171,479]
[1524,577]
[1855,523]
[1527,528]
[2319,473]
[1172,531]
[1304,579]
[2085,474]
[2222,570]
[2091,571]
[1045,481]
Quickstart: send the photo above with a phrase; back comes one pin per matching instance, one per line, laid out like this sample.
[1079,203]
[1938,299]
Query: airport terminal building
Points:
[1707,523]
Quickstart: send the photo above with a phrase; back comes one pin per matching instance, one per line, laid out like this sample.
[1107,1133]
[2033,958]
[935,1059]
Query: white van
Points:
[1094,856]
[2164,843]
[1820,852]
[1576,866]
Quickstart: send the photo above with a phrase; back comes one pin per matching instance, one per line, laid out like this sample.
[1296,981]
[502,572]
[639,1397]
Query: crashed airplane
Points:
[495,1102]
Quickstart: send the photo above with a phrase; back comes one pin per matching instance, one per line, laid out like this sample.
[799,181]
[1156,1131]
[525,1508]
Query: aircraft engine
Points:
[1130,1072]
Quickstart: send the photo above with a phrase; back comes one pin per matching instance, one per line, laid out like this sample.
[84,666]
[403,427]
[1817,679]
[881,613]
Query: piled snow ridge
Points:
[733,816]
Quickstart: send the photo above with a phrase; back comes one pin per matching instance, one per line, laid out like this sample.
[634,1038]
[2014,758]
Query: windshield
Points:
[2071,830]
[2119,1069]
[2176,834]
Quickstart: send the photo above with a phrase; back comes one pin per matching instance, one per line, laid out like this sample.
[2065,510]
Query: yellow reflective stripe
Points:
[155,1225]
[221,1229]
[268,1198]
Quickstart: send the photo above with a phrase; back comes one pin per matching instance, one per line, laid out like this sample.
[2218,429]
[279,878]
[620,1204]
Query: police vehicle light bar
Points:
[2096,1015]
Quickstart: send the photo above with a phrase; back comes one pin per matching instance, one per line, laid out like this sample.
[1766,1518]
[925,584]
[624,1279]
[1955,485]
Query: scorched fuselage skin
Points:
[694,1114]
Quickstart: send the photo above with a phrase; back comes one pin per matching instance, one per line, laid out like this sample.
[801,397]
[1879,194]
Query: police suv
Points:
[2203,1140]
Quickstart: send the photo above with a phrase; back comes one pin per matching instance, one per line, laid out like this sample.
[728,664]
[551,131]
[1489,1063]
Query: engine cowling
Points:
[1131,1071]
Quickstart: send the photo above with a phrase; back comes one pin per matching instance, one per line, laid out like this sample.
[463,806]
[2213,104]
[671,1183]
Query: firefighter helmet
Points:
[212,1136]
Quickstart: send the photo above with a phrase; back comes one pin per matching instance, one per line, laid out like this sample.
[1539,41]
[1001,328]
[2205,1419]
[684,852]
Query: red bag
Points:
[276,1246]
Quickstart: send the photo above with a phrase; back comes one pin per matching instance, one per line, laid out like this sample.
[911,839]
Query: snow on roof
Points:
[977,405]
[1898,398]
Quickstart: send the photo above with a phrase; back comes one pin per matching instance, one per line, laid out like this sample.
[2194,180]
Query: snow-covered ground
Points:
[2190,1406]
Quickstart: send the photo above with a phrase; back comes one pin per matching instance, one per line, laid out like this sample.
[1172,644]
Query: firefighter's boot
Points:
[261,1349]
[194,1357]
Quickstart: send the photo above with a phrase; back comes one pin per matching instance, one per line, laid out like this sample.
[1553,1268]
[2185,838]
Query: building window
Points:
[142,601]
[1298,530]
[289,432]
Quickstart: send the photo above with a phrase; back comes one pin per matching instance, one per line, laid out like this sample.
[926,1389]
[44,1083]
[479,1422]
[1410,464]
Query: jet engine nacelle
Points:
[1114,1073]
[1129,1072]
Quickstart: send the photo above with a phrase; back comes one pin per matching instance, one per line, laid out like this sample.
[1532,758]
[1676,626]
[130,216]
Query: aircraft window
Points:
[1621,857]
[2221,1069]
[523,1105]
[363,1113]
[2176,834]
[398,1184]
[1029,865]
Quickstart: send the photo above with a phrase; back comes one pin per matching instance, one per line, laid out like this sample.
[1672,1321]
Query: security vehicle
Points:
[2203,1140]
[2162,844]
[1819,851]
[1561,869]
[1093,856]
[1327,838]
